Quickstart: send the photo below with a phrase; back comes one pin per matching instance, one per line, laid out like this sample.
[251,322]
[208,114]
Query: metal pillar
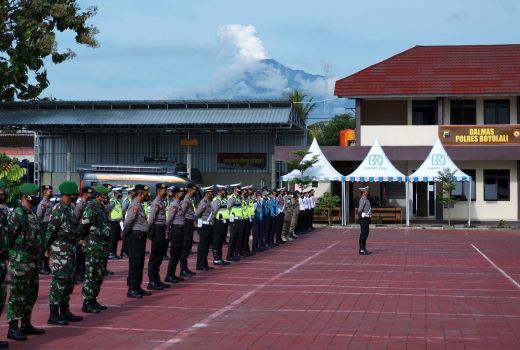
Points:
[68,160]
[188,158]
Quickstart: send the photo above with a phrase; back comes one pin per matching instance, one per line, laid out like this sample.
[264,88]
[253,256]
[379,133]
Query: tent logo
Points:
[375,159]
[438,159]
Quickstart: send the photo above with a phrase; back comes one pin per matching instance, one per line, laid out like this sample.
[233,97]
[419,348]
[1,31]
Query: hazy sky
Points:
[171,49]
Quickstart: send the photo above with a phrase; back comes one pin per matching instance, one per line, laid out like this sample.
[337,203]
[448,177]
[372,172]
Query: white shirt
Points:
[313,202]
[302,203]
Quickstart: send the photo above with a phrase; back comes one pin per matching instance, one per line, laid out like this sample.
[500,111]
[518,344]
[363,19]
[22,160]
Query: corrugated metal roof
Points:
[439,71]
[160,117]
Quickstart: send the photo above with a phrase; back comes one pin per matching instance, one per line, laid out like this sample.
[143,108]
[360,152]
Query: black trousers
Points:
[44,260]
[271,223]
[219,235]
[205,233]
[364,223]
[136,241]
[186,243]
[115,235]
[257,233]
[158,239]
[248,225]
[278,227]
[311,219]
[308,219]
[301,219]
[235,238]
[176,239]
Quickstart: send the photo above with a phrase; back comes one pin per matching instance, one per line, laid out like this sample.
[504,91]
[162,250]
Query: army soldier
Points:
[204,216]
[44,214]
[25,245]
[116,216]
[189,225]
[287,218]
[220,225]
[234,205]
[295,216]
[364,212]
[86,197]
[94,229]
[175,226]
[4,250]
[134,231]
[157,234]
[61,246]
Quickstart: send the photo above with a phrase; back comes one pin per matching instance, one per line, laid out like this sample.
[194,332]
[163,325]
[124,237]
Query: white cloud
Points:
[244,40]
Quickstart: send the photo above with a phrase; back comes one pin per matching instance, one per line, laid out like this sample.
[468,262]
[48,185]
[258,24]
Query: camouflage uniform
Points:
[3,254]
[61,245]
[25,245]
[95,230]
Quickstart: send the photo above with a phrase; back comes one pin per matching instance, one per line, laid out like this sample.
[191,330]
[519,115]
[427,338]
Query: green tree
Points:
[302,103]
[302,166]
[444,196]
[11,172]
[29,29]
[327,133]
[326,203]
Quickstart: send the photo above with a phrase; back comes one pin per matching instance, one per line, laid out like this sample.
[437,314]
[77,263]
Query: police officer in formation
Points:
[135,231]
[44,215]
[157,235]
[85,233]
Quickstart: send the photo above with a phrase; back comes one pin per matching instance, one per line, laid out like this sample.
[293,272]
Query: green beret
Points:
[2,184]
[29,189]
[68,187]
[101,190]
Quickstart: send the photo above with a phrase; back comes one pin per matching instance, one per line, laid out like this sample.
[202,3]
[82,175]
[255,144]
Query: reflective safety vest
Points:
[245,209]
[251,207]
[116,214]
[236,209]
[146,208]
[222,212]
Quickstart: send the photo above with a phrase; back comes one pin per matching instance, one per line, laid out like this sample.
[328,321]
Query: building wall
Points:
[484,210]
[384,112]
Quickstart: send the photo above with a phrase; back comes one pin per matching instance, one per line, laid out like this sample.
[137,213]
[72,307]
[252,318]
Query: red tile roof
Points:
[439,71]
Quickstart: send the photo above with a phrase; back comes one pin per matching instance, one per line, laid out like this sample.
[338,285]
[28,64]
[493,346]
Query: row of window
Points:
[496,185]
[462,112]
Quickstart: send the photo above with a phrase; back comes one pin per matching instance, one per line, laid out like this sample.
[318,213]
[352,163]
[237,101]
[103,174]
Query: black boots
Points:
[55,317]
[14,332]
[29,329]
[90,307]
[4,344]
[69,316]
[363,247]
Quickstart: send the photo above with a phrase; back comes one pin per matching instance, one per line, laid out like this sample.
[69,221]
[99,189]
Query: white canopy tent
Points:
[376,167]
[436,162]
[322,171]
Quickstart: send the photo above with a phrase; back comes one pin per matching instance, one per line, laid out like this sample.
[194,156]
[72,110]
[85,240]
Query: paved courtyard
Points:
[421,289]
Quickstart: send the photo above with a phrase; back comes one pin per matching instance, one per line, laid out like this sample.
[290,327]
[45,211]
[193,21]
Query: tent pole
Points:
[407,195]
[469,202]
[346,203]
[342,201]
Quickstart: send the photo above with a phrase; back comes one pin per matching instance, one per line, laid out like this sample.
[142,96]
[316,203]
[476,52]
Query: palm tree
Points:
[302,103]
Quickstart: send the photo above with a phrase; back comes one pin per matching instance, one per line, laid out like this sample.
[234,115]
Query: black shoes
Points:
[143,292]
[187,273]
[90,308]
[233,258]
[55,317]
[28,329]
[364,252]
[173,279]
[4,344]
[220,262]
[164,285]
[99,306]
[132,293]
[69,316]
[154,286]
[14,332]
[114,257]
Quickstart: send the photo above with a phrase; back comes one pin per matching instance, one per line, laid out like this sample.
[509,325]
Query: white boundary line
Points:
[185,333]
[511,279]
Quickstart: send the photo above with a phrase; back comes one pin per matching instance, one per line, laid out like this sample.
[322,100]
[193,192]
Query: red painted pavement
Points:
[421,289]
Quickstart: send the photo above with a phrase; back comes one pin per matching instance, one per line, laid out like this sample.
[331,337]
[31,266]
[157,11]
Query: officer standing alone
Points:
[364,212]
